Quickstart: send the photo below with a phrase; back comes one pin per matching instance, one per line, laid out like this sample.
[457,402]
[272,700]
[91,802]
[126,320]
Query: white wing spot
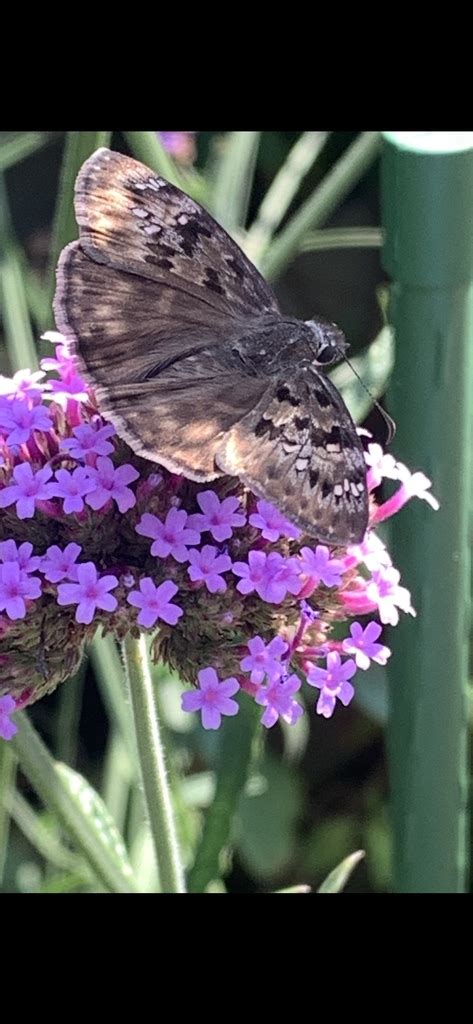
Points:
[138,211]
[338,490]
[333,449]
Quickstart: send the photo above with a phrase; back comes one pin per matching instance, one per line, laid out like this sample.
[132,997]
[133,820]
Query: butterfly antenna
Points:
[390,424]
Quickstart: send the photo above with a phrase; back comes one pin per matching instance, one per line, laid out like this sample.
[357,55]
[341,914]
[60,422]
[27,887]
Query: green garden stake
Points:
[428,253]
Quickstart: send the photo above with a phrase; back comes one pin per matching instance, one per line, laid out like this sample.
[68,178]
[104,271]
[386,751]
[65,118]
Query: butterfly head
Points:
[327,341]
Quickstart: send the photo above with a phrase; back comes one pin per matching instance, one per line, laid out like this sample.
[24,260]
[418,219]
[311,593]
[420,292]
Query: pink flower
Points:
[15,587]
[333,683]
[155,602]
[9,552]
[362,644]
[89,440]
[212,698]
[28,488]
[384,591]
[17,420]
[170,537]
[7,707]
[320,567]
[207,565]
[414,485]
[272,523]
[264,659]
[110,482]
[90,593]
[72,487]
[59,565]
[279,702]
[219,517]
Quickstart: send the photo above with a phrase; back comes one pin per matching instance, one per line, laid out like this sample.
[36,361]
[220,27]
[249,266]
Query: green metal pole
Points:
[428,218]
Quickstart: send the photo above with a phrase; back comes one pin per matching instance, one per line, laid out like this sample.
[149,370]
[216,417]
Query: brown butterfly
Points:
[192,359]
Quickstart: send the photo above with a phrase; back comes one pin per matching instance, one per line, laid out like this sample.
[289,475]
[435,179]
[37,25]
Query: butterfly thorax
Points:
[274,343]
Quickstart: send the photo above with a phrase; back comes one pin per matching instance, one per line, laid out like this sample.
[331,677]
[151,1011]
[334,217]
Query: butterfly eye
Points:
[327,341]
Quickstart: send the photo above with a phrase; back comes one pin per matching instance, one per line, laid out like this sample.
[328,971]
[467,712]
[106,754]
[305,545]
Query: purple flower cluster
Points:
[91,535]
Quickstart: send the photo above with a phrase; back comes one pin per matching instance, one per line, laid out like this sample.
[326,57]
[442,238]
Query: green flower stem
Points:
[151,756]
[428,216]
[47,779]
[325,198]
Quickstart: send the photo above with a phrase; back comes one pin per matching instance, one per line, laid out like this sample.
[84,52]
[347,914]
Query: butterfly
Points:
[192,359]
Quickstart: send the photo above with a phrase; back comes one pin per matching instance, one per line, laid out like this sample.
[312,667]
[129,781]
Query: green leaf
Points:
[234,179]
[78,147]
[339,181]
[338,878]
[281,192]
[90,803]
[267,817]
[18,333]
[14,148]
[342,238]
[77,806]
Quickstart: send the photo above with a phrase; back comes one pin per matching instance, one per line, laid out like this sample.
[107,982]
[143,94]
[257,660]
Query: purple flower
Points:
[264,659]
[207,565]
[7,707]
[28,488]
[362,645]
[17,421]
[384,591]
[27,562]
[90,593]
[181,145]
[72,487]
[61,391]
[270,575]
[320,567]
[212,699]
[170,537]
[23,384]
[15,586]
[155,602]
[219,517]
[272,523]
[279,702]
[333,683]
[88,440]
[60,565]
[111,483]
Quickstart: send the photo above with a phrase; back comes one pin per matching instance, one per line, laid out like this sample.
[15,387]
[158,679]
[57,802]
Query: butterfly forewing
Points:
[136,221]
[185,344]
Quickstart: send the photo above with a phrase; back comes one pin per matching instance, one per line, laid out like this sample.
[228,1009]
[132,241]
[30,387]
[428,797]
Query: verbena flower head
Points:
[237,600]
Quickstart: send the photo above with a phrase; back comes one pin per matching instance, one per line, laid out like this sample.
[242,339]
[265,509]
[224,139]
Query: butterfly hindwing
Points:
[299,449]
